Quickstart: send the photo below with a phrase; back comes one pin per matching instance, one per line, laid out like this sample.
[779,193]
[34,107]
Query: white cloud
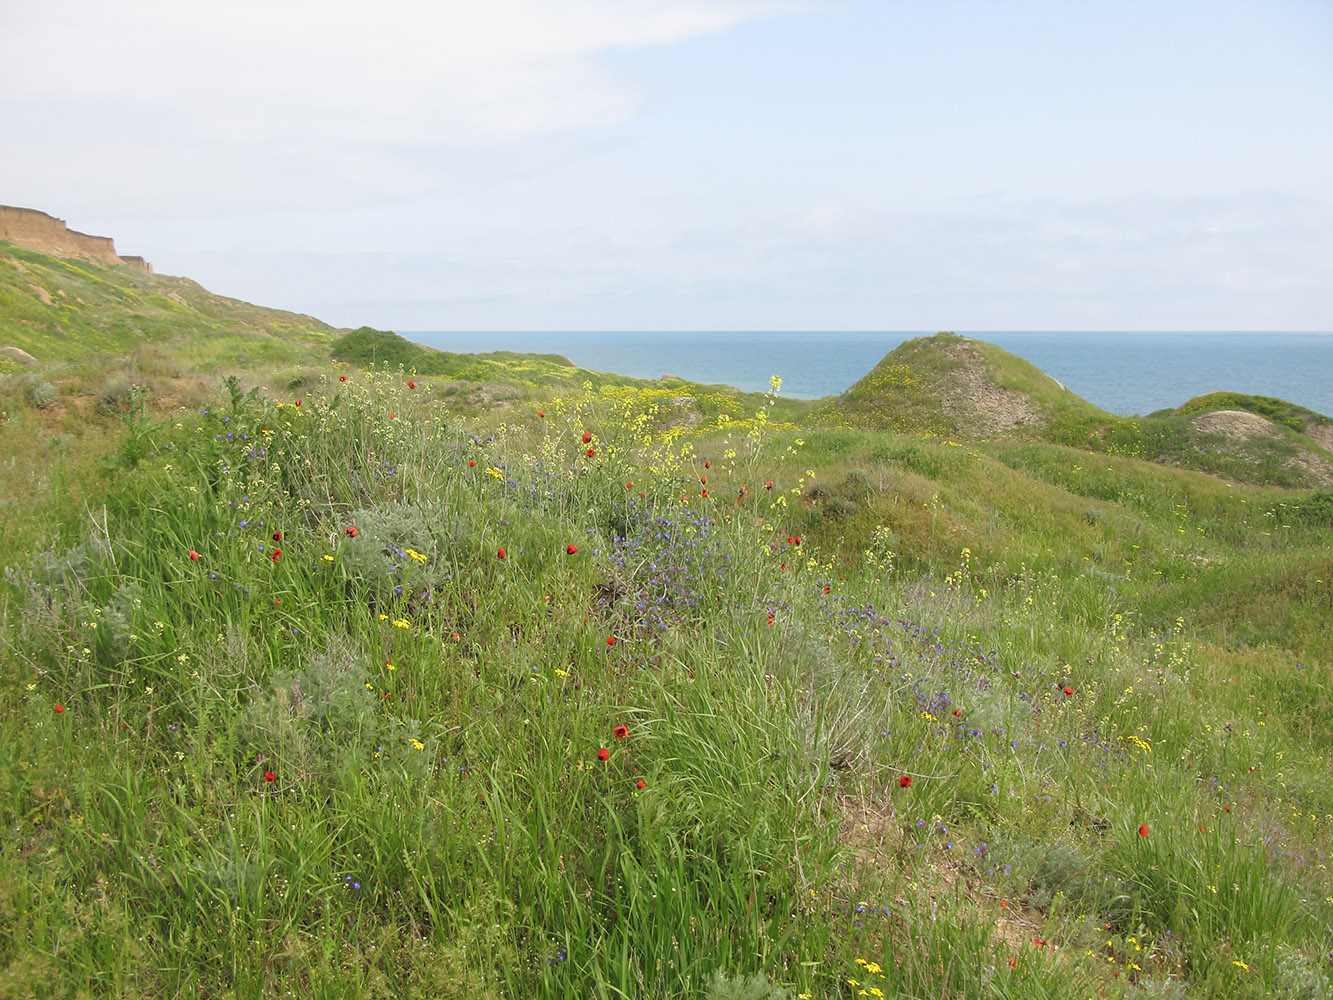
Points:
[1255,261]
[178,107]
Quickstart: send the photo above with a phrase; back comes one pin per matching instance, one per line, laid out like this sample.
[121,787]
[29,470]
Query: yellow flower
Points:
[417,744]
[401,623]
[328,558]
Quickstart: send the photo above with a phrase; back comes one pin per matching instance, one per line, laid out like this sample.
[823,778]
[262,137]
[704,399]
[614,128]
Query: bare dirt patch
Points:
[1240,425]
[976,404]
[1235,423]
[1320,434]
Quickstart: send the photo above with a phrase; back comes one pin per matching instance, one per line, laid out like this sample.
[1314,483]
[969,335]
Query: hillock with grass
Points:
[329,677]
[950,386]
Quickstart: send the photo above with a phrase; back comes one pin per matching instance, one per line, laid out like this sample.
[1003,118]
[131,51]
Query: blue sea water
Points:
[1125,373]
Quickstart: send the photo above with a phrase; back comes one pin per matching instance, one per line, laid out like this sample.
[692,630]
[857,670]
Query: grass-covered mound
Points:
[1279,411]
[949,385]
[952,387]
[371,696]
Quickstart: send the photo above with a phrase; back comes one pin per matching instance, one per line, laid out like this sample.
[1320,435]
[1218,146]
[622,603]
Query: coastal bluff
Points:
[34,230]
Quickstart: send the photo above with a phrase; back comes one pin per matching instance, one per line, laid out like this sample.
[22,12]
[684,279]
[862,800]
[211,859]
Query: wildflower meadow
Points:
[350,689]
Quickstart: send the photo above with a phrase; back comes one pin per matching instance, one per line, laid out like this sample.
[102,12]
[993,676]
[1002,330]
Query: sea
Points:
[1124,373]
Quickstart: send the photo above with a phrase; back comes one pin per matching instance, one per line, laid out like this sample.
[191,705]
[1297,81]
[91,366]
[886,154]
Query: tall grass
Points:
[281,718]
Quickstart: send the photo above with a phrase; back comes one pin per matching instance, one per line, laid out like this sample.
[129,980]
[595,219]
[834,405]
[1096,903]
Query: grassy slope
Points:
[439,823]
[97,308]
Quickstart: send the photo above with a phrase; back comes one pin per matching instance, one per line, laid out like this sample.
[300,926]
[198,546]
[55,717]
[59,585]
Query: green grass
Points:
[439,822]
[892,723]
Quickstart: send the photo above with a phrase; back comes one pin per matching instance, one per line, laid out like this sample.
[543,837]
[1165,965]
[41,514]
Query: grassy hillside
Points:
[58,309]
[381,682]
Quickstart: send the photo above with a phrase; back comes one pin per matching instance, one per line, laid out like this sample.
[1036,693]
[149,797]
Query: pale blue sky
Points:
[703,164]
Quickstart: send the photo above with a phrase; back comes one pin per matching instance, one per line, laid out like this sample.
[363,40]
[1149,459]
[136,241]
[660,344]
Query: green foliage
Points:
[39,392]
[896,719]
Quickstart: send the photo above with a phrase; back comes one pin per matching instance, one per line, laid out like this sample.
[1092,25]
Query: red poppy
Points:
[620,732]
[298,402]
[351,531]
[587,438]
[640,784]
[194,556]
[342,378]
[704,480]
[386,694]
[270,776]
[572,549]
[392,416]
[703,493]
[791,539]
[411,385]
[1143,830]
[541,413]
[59,709]
[798,540]
[610,640]
[768,485]
[276,536]
[783,566]
[905,782]
[499,553]
[277,554]
[629,486]
[1068,690]
[603,754]
[592,452]
[826,588]
[708,465]
[957,711]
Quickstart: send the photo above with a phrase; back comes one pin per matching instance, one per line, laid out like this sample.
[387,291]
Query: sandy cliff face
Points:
[35,230]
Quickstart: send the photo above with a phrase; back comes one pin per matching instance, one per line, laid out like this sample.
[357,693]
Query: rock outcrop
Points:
[33,230]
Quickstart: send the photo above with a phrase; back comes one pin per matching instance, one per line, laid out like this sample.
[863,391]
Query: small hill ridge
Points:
[950,385]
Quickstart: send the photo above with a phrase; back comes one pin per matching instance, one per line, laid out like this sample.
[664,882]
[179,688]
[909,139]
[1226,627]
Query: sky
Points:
[695,164]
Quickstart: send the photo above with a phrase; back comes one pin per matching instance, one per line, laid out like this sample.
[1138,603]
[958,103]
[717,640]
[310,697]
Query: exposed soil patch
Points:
[1241,426]
[976,404]
[1235,423]
[1320,434]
